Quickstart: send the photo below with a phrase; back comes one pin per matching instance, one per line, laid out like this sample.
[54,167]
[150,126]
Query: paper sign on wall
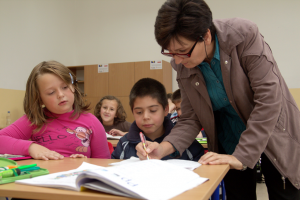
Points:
[102,68]
[156,64]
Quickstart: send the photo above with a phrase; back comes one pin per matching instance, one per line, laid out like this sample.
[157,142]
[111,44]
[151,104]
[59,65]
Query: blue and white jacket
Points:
[126,146]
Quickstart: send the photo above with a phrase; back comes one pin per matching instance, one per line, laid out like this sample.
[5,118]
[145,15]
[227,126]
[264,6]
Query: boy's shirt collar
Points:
[133,134]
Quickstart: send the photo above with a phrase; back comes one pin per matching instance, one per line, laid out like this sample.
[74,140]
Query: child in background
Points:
[149,105]
[109,110]
[56,120]
[176,99]
[172,112]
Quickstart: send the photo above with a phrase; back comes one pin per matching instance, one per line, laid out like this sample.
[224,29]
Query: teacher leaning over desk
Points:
[231,86]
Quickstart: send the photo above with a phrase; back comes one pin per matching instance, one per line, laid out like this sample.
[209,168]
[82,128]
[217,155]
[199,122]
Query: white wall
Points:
[76,32]
[31,32]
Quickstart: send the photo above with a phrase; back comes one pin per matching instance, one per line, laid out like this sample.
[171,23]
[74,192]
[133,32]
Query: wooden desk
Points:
[113,142]
[215,173]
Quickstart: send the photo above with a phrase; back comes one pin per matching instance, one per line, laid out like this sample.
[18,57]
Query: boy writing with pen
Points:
[149,105]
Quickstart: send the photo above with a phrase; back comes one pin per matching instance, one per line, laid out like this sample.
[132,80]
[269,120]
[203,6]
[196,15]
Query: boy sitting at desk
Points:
[176,99]
[149,105]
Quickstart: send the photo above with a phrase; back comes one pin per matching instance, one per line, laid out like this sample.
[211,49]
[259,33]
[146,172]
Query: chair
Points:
[110,147]
[216,194]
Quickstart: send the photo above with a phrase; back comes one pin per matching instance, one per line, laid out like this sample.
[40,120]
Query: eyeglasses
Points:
[182,55]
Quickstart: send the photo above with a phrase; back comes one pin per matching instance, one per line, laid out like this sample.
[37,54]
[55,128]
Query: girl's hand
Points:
[116,132]
[211,158]
[77,156]
[39,152]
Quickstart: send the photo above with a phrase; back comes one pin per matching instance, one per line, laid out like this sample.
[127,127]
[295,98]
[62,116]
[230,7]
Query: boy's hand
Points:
[116,132]
[212,158]
[77,156]
[154,150]
[39,152]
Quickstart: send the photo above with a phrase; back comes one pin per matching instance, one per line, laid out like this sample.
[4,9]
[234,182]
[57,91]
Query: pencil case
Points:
[5,162]
[202,140]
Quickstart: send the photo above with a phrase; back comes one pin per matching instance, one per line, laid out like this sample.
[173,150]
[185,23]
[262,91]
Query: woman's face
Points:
[198,54]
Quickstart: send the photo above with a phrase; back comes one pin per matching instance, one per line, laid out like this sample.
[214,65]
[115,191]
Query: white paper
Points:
[103,68]
[187,164]
[167,180]
[155,64]
[108,136]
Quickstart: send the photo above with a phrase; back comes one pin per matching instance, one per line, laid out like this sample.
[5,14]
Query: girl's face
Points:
[108,111]
[56,95]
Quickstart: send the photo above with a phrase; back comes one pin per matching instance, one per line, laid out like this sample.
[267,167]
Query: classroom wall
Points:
[11,100]
[77,32]
[296,94]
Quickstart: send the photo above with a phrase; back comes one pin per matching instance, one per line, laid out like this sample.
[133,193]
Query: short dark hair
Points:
[176,97]
[186,18]
[148,87]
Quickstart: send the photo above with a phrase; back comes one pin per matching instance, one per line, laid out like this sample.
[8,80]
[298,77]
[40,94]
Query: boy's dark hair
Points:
[148,87]
[187,18]
[176,97]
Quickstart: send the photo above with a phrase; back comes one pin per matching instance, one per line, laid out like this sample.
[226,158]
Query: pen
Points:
[30,169]
[143,139]
[26,166]
[14,171]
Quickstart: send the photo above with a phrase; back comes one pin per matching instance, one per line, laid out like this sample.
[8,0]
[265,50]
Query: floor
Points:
[261,192]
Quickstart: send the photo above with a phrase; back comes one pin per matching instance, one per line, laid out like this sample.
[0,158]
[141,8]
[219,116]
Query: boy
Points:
[176,99]
[172,112]
[149,105]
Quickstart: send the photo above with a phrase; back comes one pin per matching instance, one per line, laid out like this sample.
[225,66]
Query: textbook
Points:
[147,179]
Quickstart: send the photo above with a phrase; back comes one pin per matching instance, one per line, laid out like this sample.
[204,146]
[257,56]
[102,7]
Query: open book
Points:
[148,179]
[112,137]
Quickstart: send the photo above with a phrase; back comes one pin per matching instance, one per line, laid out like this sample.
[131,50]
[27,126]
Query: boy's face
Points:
[149,116]
[178,108]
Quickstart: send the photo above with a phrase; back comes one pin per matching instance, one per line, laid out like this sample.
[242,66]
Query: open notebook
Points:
[148,179]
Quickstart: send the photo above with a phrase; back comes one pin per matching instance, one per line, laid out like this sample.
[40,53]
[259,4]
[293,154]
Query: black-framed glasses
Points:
[182,55]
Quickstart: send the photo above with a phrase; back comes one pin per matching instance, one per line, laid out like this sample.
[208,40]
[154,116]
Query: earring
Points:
[43,106]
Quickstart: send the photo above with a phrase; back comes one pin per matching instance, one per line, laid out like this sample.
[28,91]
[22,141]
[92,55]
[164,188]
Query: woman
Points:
[231,86]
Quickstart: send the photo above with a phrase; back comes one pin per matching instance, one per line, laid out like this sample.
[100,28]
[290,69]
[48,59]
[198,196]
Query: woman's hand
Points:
[211,158]
[77,156]
[116,132]
[39,152]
